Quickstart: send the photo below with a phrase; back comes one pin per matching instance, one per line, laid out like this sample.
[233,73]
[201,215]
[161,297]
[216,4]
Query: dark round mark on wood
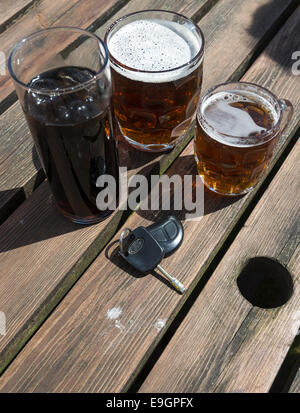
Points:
[265,283]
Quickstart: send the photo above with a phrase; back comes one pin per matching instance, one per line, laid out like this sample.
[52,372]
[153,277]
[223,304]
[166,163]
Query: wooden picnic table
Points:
[77,318]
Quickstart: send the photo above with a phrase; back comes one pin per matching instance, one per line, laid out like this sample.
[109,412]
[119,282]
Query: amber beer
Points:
[156,66]
[237,131]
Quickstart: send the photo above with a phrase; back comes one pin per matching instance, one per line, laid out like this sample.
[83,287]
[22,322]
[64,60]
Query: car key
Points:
[168,233]
[144,253]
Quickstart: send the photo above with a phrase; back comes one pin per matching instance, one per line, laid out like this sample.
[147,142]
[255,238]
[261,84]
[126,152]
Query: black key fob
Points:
[168,233]
[143,252]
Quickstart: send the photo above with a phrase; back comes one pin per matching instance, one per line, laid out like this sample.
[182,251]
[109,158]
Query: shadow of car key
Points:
[141,250]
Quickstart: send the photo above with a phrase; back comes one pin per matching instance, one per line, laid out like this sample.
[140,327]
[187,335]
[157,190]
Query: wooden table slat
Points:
[111,320]
[15,235]
[295,387]
[47,13]
[16,146]
[239,46]
[225,344]
[10,10]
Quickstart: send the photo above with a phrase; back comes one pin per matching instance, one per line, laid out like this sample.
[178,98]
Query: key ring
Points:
[141,265]
[122,237]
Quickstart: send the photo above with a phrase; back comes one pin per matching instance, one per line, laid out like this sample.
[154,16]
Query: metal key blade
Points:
[176,283]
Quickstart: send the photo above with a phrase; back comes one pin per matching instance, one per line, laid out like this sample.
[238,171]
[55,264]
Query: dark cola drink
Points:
[72,130]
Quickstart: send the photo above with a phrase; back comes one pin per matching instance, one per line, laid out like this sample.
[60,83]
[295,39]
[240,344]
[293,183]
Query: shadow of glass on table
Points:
[36,219]
[258,22]
[212,202]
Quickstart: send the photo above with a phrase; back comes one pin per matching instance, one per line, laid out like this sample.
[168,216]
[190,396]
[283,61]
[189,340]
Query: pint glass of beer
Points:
[156,65]
[238,126]
[62,79]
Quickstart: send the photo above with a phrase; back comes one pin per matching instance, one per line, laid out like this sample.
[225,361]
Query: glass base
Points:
[228,194]
[80,220]
[152,147]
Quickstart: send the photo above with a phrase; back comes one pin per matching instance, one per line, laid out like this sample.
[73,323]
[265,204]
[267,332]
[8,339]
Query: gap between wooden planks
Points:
[16,147]
[287,379]
[62,255]
[44,14]
[12,10]
[77,13]
[225,344]
[71,248]
[79,347]
[295,387]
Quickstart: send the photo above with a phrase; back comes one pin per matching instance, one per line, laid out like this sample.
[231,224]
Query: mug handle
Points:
[287,111]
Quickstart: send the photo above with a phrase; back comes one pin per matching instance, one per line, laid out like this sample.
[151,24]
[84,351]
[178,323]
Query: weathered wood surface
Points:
[218,32]
[295,387]
[40,251]
[16,146]
[10,10]
[68,274]
[20,169]
[62,279]
[112,319]
[226,344]
[47,13]
[286,377]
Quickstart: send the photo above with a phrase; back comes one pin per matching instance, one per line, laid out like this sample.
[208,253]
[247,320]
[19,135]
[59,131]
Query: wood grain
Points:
[47,13]
[65,278]
[20,169]
[230,345]
[10,10]
[295,387]
[219,37]
[81,347]
[41,251]
[16,147]
[194,9]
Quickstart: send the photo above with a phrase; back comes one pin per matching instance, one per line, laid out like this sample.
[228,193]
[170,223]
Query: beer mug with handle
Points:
[238,126]
[156,65]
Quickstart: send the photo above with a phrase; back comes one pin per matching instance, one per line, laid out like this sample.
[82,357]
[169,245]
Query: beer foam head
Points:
[225,119]
[154,46]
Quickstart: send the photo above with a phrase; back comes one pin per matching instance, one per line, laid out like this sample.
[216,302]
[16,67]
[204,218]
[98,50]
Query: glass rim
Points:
[211,91]
[198,56]
[67,89]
